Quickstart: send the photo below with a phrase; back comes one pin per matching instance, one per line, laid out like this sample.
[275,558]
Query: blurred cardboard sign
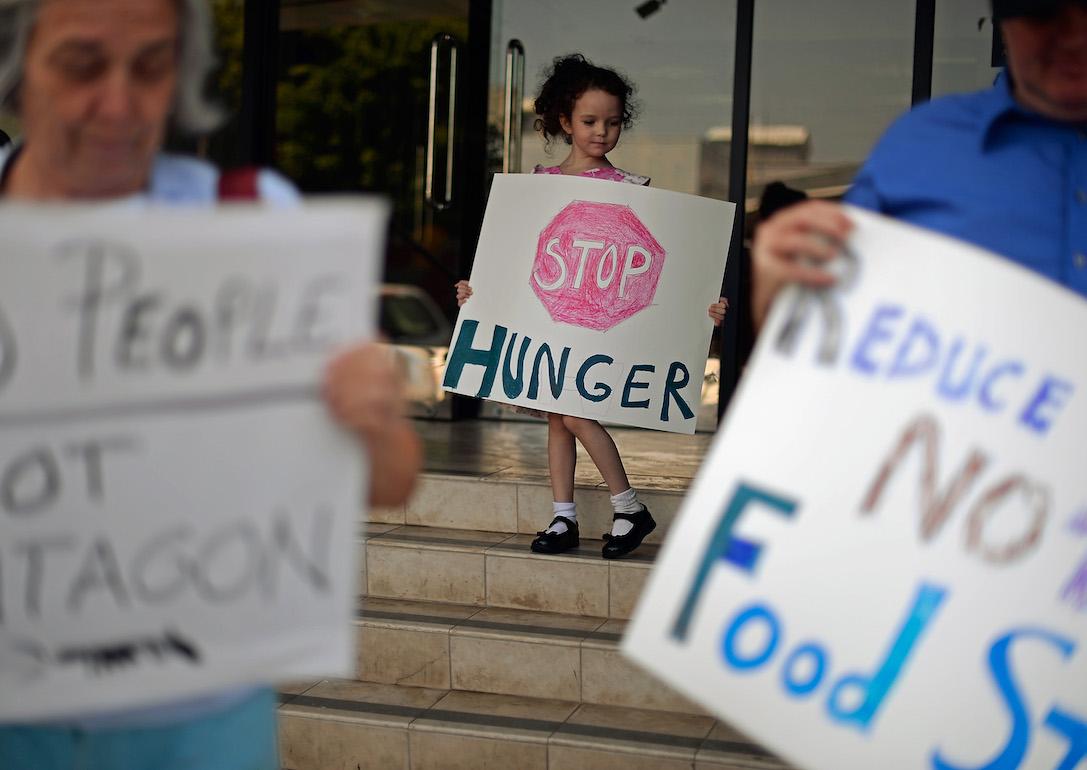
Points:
[883,560]
[177,512]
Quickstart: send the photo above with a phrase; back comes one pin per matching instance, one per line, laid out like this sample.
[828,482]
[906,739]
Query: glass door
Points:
[369,99]
[827,78]
[679,55]
[964,39]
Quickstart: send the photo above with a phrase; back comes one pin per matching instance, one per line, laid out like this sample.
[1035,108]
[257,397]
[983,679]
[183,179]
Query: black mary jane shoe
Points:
[620,545]
[555,542]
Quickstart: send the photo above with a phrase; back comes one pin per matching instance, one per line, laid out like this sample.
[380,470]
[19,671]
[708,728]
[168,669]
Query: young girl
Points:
[588,107]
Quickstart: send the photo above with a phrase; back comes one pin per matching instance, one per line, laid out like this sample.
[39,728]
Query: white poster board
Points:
[177,510]
[883,560]
[590,299]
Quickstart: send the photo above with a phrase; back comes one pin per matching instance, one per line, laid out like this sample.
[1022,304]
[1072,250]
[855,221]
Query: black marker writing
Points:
[102,658]
[29,660]
[138,327]
[32,480]
[239,560]
[97,256]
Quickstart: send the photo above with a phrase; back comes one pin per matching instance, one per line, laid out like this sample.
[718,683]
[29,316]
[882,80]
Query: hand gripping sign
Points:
[883,560]
[177,513]
[590,299]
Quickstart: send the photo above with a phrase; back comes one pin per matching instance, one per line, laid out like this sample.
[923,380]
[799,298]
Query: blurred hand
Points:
[717,311]
[792,247]
[364,391]
[464,291]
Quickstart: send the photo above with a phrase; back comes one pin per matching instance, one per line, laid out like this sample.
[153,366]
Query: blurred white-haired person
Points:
[93,85]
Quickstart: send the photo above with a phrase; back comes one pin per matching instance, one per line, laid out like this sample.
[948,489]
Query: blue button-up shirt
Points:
[984,169]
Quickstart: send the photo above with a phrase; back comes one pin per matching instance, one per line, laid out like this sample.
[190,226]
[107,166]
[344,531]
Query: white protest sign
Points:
[177,511]
[883,560]
[590,299]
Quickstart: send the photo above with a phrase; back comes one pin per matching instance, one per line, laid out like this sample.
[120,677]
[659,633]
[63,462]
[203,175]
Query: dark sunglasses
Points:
[1034,9]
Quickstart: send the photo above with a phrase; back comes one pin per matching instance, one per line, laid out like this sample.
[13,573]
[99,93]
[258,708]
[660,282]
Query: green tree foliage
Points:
[352,106]
[229,40]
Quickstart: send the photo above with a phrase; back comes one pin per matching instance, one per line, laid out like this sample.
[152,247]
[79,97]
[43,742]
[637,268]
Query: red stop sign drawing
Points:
[596,265]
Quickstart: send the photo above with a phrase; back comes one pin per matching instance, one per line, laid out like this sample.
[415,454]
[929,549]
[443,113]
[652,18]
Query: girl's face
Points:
[595,124]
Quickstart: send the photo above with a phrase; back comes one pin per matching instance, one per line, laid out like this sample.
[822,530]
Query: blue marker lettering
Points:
[1052,393]
[464,354]
[947,386]
[631,385]
[756,612]
[513,385]
[874,689]
[818,656]
[876,332]
[726,547]
[917,352]
[603,390]
[555,378]
[672,388]
[1015,747]
[1075,730]
[985,392]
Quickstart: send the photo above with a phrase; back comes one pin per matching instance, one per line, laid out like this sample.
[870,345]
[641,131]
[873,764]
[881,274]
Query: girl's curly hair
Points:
[565,81]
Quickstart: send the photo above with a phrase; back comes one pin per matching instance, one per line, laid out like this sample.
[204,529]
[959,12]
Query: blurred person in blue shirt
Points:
[1004,168]
[94,84]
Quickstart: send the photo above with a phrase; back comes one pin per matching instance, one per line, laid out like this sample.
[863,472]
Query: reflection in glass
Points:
[356,82]
[827,80]
[962,47]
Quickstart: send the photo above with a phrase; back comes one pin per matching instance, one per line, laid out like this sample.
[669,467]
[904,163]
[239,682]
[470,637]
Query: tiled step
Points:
[332,725]
[512,652]
[520,503]
[497,569]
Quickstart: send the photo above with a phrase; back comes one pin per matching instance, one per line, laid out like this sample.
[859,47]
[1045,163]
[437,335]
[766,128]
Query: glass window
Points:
[962,47]
[352,93]
[223,146]
[224,88]
[357,81]
[827,79]
[409,318]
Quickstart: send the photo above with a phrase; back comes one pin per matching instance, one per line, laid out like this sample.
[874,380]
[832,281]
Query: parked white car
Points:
[418,333]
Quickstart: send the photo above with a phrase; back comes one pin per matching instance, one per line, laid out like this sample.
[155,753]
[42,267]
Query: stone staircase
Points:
[476,653]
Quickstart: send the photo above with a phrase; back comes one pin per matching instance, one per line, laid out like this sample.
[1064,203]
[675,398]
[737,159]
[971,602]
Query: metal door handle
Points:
[432,117]
[514,94]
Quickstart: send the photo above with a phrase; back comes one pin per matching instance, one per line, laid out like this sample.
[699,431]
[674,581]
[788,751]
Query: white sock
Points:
[624,502]
[569,510]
